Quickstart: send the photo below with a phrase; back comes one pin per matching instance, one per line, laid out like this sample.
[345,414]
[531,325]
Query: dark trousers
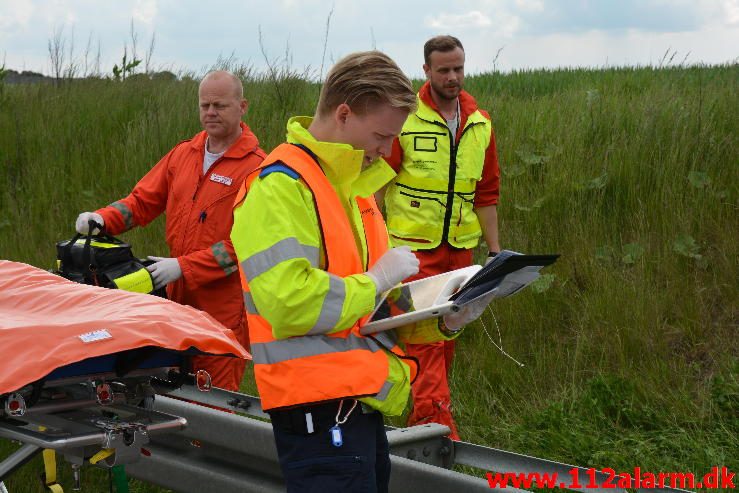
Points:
[311,463]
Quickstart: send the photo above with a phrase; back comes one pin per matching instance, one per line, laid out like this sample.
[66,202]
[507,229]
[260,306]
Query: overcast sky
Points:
[191,35]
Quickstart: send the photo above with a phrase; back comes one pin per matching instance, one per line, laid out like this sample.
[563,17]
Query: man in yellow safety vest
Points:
[443,200]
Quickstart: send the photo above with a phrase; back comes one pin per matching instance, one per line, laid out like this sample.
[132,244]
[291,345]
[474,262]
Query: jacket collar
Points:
[245,144]
[341,163]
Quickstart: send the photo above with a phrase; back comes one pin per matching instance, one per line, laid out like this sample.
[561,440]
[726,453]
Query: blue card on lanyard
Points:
[336,438]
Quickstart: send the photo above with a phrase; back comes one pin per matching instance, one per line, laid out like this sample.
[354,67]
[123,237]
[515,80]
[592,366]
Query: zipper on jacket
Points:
[452,176]
[205,176]
[425,190]
[450,182]
[434,199]
[203,214]
[403,134]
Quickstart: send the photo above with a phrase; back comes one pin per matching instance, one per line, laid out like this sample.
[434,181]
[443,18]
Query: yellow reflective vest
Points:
[431,200]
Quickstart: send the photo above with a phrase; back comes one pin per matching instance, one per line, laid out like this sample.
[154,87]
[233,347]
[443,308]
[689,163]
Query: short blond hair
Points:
[365,79]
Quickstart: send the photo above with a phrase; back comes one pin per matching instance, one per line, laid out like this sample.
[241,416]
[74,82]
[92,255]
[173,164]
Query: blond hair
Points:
[365,79]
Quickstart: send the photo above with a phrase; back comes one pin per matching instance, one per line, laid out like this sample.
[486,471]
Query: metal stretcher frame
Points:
[69,417]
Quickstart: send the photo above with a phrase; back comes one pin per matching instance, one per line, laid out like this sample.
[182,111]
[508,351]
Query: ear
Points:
[427,70]
[342,113]
[244,105]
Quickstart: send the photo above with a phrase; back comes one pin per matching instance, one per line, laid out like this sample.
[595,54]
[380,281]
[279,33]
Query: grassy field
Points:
[630,344]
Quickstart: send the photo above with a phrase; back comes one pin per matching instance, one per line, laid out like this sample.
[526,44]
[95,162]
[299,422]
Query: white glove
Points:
[82,224]
[164,270]
[394,266]
[470,312]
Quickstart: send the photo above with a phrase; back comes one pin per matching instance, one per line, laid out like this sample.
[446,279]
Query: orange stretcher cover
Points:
[47,322]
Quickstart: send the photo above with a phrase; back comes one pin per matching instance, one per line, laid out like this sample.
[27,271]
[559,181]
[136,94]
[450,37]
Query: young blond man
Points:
[314,255]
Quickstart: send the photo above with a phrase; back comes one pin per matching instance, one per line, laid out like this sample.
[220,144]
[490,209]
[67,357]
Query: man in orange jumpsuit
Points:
[195,185]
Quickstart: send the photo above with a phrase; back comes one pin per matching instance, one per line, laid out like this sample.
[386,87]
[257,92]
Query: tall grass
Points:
[629,343]
[631,346]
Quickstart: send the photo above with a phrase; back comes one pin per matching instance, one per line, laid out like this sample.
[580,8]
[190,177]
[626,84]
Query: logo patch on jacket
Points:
[223,180]
[415,203]
[424,144]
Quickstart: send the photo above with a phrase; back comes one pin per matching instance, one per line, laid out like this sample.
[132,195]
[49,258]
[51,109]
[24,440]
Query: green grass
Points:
[630,344]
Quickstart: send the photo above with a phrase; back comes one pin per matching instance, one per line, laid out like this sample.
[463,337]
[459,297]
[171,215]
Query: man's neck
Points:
[217,146]
[447,107]
[320,129]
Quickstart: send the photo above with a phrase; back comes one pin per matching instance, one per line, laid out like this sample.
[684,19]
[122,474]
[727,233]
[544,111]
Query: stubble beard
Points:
[443,92]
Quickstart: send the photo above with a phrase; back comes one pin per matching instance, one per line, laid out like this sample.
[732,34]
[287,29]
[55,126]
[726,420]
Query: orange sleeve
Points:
[210,264]
[488,187]
[147,200]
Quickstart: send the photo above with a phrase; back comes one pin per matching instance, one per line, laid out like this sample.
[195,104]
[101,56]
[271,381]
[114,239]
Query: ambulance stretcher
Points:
[80,366]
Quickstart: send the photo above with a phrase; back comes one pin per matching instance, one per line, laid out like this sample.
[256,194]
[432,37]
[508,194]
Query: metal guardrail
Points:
[25,453]
[233,453]
[225,452]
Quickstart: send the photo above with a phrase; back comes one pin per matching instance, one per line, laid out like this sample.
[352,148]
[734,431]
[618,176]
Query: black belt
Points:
[314,418]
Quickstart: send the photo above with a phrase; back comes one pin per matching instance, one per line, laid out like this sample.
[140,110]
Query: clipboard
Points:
[438,295]
[508,273]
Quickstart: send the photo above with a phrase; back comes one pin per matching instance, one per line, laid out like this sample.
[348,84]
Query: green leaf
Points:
[632,253]
[592,96]
[513,171]
[604,253]
[536,205]
[686,246]
[699,179]
[532,158]
[597,183]
[543,284]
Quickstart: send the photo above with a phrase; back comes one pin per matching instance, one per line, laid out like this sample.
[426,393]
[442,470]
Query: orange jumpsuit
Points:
[199,219]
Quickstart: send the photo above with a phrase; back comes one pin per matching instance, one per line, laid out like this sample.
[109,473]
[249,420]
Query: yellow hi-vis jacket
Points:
[307,347]
[432,199]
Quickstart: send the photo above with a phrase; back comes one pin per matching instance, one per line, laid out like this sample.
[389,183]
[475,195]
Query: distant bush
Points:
[163,75]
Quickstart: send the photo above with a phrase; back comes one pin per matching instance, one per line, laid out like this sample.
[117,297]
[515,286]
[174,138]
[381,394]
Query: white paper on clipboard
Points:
[418,300]
[438,295]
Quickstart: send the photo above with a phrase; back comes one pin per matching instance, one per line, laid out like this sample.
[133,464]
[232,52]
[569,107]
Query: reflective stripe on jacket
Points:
[432,198]
[303,282]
